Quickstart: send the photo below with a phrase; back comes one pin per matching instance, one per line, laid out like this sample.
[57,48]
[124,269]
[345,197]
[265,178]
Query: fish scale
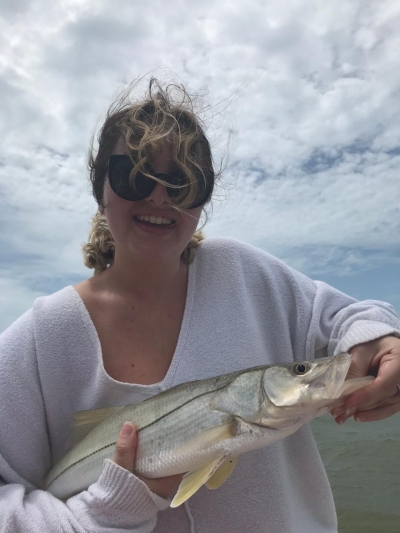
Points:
[200,427]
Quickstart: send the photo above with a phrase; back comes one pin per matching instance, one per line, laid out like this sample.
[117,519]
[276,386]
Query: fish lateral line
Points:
[217,389]
[142,427]
[80,460]
[180,406]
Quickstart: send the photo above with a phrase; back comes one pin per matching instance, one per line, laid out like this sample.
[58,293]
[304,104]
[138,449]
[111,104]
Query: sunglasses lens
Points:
[143,185]
[120,168]
[205,188]
[177,179]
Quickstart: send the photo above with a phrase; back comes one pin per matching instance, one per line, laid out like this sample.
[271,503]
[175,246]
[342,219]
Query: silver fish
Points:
[202,427]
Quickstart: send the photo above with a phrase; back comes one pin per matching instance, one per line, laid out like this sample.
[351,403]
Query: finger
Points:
[358,368]
[125,448]
[382,403]
[379,413]
[351,404]
[377,394]
[337,412]
[341,416]
[369,395]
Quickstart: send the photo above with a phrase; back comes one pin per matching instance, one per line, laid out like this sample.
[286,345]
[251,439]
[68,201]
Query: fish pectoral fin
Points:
[222,473]
[85,421]
[208,438]
[193,481]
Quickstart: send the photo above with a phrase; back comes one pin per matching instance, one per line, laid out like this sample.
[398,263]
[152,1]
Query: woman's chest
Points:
[138,344]
[138,339]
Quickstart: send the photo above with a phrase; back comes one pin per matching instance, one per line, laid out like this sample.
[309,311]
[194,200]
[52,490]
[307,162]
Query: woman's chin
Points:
[151,252]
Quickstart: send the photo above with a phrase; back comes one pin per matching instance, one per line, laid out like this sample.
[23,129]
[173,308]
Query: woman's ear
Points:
[101,210]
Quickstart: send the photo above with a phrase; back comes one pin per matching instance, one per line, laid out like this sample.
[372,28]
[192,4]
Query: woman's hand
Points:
[125,454]
[381,398]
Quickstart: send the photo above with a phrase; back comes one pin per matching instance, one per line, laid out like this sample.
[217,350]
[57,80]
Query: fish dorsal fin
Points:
[207,439]
[222,473]
[85,421]
[193,481]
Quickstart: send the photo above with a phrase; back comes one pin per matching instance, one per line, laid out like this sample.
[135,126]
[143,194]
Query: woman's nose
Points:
[159,195]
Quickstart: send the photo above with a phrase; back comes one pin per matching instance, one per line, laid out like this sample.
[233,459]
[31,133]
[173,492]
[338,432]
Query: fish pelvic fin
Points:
[85,421]
[193,481]
[222,473]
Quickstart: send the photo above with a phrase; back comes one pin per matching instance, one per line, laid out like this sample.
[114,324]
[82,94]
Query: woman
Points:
[165,307]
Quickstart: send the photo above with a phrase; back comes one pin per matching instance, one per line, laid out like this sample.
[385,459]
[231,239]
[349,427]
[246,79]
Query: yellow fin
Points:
[222,473]
[208,438]
[193,481]
[85,421]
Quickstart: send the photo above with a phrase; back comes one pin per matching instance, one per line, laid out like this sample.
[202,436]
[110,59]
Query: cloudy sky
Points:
[306,92]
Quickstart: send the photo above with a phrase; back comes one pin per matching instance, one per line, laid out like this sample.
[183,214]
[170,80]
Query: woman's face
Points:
[133,230]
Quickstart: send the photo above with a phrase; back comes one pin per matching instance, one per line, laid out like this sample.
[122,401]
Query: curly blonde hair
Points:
[164,115]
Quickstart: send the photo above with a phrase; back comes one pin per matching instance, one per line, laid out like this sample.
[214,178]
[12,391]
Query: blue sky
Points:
[302,96]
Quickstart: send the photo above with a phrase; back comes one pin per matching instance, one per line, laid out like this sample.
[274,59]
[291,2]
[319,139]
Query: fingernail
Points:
[127,429]
[350,411]
[359,418]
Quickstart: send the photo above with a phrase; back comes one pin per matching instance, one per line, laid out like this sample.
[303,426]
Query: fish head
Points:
[307,384]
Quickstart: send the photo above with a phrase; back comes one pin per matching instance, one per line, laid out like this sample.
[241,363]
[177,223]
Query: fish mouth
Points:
[336,375]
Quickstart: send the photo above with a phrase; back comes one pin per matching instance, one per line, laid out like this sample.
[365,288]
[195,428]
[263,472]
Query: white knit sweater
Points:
[243,308]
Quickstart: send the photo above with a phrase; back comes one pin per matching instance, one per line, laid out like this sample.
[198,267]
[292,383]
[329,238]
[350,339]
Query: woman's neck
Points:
[144,279]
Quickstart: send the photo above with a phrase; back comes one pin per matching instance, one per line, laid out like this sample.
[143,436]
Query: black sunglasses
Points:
[120,168]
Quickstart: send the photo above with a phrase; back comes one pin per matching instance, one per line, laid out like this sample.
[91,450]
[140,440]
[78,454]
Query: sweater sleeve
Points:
[117,502]
[320,320]
[339,322]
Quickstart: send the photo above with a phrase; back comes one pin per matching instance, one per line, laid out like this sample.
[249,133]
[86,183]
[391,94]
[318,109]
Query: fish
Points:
[201,428]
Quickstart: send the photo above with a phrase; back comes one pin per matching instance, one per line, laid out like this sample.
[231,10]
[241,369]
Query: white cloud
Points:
[309,93]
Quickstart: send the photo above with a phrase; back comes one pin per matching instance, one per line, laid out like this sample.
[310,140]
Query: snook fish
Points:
[202,427]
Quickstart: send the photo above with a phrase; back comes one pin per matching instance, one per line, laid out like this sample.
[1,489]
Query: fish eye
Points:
[300,369]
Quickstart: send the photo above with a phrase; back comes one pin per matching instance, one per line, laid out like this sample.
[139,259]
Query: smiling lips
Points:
[162,221]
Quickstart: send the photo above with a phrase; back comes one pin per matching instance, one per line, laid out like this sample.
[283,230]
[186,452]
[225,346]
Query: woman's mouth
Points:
[155,222]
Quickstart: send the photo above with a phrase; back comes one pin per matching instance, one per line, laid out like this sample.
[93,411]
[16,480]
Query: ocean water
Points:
[363,465]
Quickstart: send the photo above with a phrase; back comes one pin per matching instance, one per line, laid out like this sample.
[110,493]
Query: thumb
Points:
[362,356]
[125,449]
[360,363]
